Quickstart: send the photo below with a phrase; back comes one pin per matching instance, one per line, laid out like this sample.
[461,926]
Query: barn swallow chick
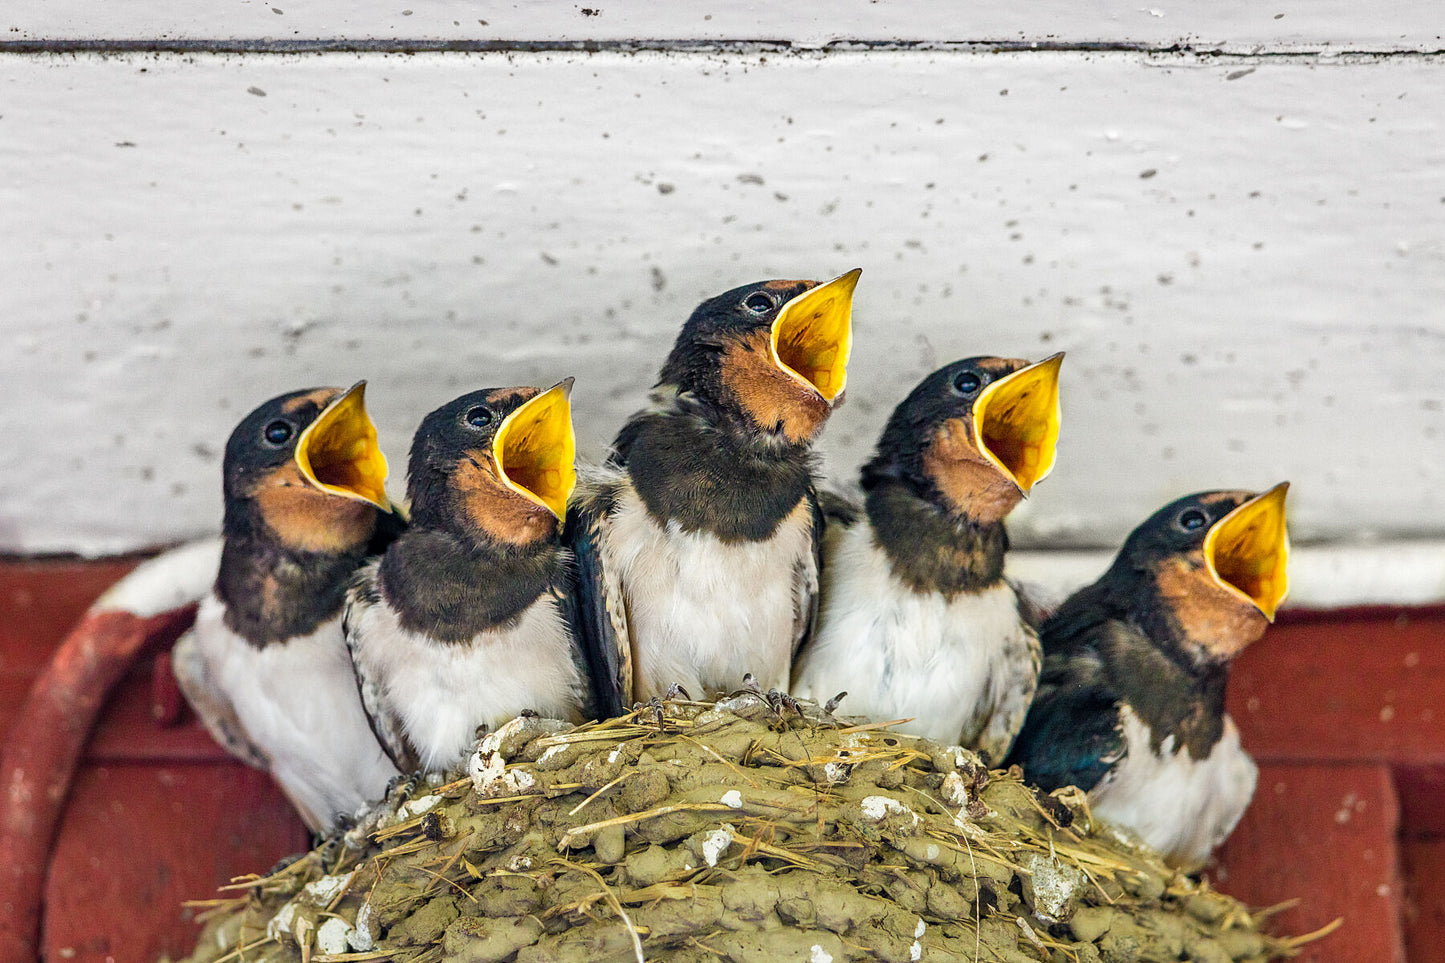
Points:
[266,667]
[918,621]
[1131,703]
[460,624]
[699,549]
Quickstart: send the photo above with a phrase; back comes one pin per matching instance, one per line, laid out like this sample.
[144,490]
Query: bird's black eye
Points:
[479,417]
[759,303]
[278,432]
[966,382]
[1192,519]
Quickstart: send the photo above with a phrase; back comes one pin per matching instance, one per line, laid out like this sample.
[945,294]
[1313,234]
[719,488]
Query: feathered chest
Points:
[702,611]
[946,661]
[440,692]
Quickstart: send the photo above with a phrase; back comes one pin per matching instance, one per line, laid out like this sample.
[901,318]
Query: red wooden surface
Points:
[139,840]
[1362,686]
[1327,835]
[39,602]
[1335,706]
[1424,862]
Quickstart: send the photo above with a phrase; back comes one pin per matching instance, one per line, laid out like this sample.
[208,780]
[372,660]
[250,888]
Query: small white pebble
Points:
[715,844]
[281,922]
[915,952]
[931,854]
[333,936]
[820,955]
[324,890]
[361,939]
[614,755]
[875,808]
[920,929]
[732,799]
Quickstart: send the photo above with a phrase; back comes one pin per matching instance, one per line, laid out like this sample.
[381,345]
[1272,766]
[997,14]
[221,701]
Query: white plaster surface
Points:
[1243,257]
[1234,25]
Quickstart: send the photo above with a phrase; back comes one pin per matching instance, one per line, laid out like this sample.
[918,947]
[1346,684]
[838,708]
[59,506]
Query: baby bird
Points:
[698,547]
[1131,703]
[918,620]
[461,623]
[265,666]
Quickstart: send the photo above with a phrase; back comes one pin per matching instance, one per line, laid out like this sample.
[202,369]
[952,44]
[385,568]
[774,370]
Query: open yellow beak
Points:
[1016,422]
[813,335]
[338,452]
[1247,550]
[535,449]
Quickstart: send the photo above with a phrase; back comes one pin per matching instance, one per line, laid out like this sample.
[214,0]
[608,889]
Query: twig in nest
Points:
[1295,942]
[611,783]
[870,726]
[567,837]
[612,899]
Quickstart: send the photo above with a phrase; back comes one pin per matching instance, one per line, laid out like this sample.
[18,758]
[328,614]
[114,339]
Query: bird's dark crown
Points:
[266,438]
[1160,583]
[722,363]
[696,357]
[1178,528]
[454,438]
[945,395]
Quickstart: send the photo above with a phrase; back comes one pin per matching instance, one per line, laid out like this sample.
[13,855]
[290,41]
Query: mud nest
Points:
[745,831]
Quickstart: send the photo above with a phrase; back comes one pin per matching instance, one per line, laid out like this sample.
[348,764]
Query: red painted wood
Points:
[1422,801]
[1327,835]
[1425,898]
[1310,693]
[129,732]
[138,840]
[40,600]
[1363,687]
[44,747]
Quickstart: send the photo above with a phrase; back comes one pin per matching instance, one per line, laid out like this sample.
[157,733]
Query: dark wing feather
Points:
[211,704]
[808,581]
[385,725]
[596,606]
[1071,736]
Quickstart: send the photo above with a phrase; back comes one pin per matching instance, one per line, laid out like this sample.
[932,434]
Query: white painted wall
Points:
[1244,255]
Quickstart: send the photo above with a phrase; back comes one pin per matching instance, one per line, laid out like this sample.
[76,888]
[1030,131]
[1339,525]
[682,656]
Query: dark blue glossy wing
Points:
[1071,736]
[596,607]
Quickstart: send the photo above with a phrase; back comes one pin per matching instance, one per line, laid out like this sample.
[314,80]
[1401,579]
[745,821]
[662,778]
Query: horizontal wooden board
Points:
[1243,261]
[1424,860]
[1234,24]
[1324,835]
[1360,689]
[137,841]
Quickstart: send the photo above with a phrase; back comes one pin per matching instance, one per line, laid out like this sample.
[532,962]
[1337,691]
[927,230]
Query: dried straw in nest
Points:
[746,830]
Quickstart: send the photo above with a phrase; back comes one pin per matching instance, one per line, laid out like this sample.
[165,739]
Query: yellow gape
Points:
[338,452]
[1247,550]
[813,335]
[535,449]
[1016,422]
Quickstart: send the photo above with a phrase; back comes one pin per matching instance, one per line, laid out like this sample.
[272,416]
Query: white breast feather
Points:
[443,691]
[298,703]
[703,612]
[947,664]
[1181,806]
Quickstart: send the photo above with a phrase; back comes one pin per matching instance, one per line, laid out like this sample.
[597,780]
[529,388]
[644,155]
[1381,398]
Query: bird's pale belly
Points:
[702,612]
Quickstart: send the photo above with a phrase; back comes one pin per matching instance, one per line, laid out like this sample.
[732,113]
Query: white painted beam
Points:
[1245,263]
[1321,577]
[1239,26]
